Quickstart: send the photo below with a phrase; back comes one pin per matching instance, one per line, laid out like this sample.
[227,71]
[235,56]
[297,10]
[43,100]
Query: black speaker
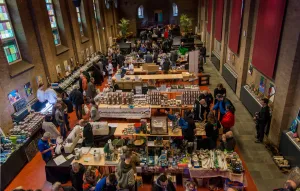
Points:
[76,3]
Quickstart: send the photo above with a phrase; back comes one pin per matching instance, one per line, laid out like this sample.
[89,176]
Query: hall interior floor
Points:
[33,175]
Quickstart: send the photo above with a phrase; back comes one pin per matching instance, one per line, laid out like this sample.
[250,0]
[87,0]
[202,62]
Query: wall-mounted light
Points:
[102,28]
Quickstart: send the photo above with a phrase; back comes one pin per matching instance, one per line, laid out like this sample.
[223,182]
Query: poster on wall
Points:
[82,55]
[13,96]
[28,89]
[250,71]
[67,66]
[39,80]
[262,84]
[58,71]
[87,52]
[72,62]
[91,50]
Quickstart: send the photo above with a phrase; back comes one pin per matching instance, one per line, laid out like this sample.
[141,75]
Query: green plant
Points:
[123,25]
[185,23]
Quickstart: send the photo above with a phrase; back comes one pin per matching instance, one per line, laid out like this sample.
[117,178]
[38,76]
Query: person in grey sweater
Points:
[91,90]
[59,117]
[125,174]
[94,111]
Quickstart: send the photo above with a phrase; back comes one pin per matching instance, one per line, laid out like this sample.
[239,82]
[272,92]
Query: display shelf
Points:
[289,148]
[249,100]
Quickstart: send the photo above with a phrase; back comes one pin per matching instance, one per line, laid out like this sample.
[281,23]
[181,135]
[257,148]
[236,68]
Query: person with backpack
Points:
[228,119]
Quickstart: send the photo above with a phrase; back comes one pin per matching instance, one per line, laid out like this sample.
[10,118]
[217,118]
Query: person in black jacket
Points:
[219,90]
[200,107]
[76,174]
[88,136]
[76,98]
[67,101]
[166,66]
[120,59]
[207,96]
[189,133]
[212,130]
[262,119]
[163,184]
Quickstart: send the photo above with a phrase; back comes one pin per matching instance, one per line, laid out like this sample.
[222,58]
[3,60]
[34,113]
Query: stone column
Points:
[225,32]
[287,72]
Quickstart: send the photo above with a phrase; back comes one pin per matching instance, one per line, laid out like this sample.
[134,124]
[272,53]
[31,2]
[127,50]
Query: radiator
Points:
[230,76]
[215,59]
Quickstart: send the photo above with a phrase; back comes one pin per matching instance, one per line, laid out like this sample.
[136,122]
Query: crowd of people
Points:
[216,111]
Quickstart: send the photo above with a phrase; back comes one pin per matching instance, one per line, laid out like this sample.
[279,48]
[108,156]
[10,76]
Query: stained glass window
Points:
[141,12]
[7,36]
[52,18]
[79,21]
[175,10]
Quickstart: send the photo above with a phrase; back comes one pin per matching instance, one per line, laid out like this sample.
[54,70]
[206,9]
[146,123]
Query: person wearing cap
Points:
[45,147]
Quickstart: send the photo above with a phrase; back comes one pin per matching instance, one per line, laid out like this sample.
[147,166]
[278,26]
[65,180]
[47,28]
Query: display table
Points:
[249,100]
[59,173]
[13,166]
[210,173]
[19,158]
[121,126]
[92,162]
[140,71]
[153,77]
[289,148]
[123,111]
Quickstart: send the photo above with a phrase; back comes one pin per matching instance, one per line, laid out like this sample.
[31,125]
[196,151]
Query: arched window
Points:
[79,21]
[52,18]
[175,10]
[7,36]
[141,12]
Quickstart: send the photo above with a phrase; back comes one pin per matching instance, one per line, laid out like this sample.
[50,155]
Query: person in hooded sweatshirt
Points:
[125,174]
[76,174]
[163,184]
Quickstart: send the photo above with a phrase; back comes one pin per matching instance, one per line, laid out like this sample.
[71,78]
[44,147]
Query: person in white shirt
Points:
[51,95]
[41,93]
[131,68]
[110,70]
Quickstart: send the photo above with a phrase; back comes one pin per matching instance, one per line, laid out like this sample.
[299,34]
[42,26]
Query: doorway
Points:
[158,16]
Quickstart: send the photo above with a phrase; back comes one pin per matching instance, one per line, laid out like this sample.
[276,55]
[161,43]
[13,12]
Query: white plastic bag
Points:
[86,109]
[59,142]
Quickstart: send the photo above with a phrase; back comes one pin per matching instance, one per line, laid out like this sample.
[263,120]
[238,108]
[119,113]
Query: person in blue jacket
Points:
[177,119]
[221,105]
[108,183]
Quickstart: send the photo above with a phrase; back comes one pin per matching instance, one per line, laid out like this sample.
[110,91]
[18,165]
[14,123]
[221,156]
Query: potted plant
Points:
[123,25]
[185,24]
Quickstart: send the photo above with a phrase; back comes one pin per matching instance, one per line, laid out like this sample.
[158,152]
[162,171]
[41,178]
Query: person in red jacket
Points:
[228,119]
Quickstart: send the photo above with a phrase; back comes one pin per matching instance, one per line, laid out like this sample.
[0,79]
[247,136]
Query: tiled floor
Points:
[262,168]
[255,157]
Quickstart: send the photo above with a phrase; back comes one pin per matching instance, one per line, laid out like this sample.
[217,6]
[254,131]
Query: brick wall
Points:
[40,55]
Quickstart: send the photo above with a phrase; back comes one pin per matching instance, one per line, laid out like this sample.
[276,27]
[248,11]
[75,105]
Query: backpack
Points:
[226,100]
